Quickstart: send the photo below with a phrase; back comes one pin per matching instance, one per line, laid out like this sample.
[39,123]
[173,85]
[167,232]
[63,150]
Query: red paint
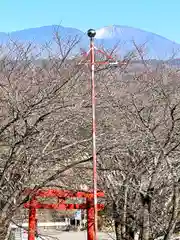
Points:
[39,205]
[104,53]
[61,193]
[109,59]
[61,196]
[90,219]
[32,221]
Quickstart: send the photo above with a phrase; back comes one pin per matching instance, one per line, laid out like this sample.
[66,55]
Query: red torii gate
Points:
[62,196]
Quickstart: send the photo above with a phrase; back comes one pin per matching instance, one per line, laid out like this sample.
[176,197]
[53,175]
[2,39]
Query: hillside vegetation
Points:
[45,136]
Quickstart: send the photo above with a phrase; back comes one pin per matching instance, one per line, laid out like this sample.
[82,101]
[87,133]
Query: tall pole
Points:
[91,34]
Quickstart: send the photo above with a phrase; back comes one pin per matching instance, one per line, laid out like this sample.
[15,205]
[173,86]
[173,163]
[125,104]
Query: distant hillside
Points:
[155,46]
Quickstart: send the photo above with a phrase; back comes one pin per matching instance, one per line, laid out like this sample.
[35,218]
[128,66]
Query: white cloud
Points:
[104,33]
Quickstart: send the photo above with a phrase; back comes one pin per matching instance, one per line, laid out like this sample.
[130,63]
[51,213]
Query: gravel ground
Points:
[58,235]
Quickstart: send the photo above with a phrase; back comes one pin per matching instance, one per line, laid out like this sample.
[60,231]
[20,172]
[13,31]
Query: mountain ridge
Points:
[157,46]
[143,30]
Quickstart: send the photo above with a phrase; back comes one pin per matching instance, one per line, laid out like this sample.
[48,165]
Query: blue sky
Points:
[159,16]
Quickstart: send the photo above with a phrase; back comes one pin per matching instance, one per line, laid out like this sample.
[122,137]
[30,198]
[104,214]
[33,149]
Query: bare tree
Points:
[142,173]
[45,121]
[40,120]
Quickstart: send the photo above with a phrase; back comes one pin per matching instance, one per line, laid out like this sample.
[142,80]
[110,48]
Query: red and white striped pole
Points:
[91,34]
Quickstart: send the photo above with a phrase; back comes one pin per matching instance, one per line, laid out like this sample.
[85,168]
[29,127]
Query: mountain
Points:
[46,33]
[155,46]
